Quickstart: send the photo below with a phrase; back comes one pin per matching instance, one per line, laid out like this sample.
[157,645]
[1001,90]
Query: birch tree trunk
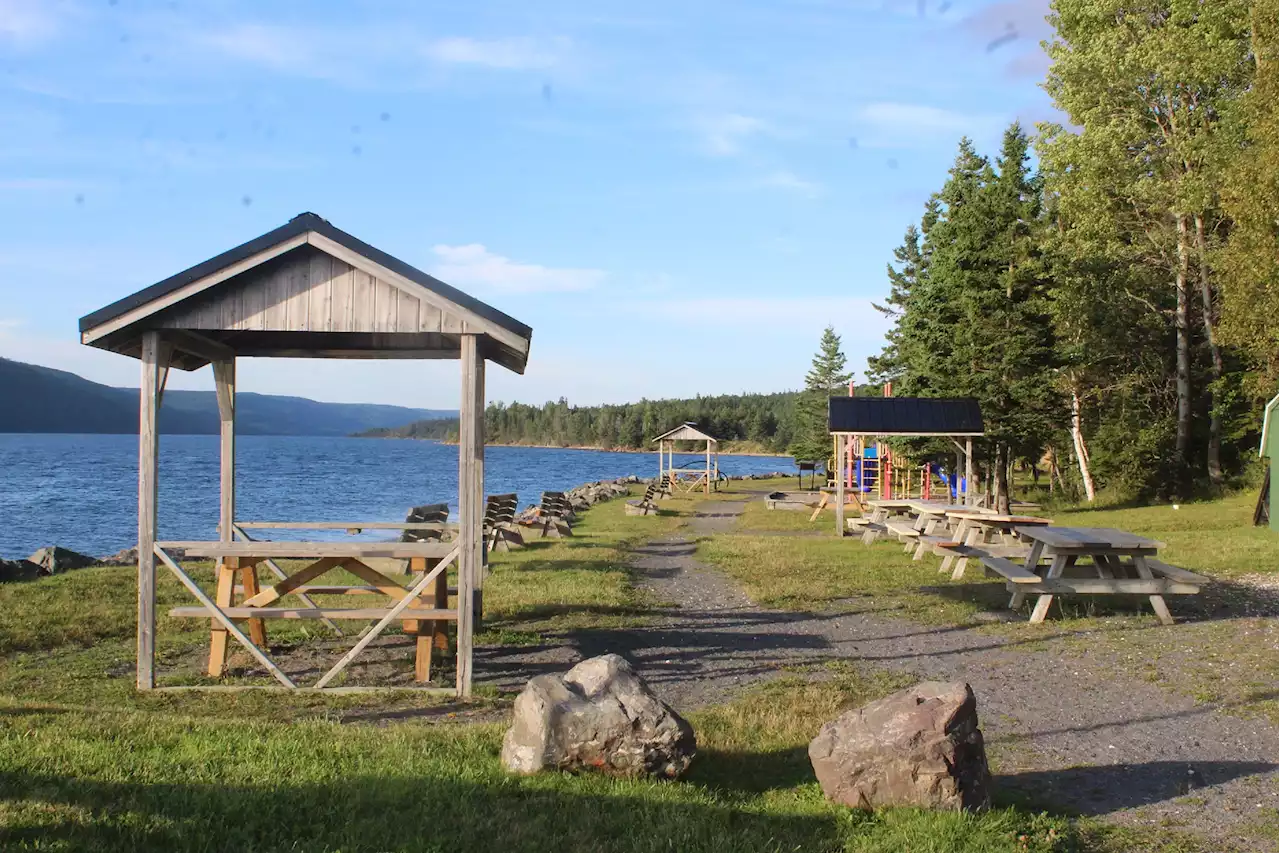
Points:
[1082,450]
[1182,328]
[1209,318]
[1001,469]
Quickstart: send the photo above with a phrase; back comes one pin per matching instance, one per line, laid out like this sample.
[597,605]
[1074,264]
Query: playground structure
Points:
[866,467]
[309,290]
[690,478]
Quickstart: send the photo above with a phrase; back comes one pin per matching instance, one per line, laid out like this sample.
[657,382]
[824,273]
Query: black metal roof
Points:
[301,224]
[904,416]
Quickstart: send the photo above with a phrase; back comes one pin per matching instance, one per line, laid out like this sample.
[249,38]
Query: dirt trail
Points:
[1099,742]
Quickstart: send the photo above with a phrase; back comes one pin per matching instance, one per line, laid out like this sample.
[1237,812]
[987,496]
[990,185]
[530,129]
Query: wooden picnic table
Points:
[1107,549]
[930,515]
[422,606]
[975,530]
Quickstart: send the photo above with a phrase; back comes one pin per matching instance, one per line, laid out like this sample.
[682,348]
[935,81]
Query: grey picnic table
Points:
[881,512]
[1123,562]
[976,530]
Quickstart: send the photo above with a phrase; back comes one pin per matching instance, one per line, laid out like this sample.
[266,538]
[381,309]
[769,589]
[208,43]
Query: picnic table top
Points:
[992,518]
[938,507]
[276,548]
[1088,537]
[896,504]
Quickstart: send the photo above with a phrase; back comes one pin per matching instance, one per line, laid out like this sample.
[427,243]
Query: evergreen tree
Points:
[826,378]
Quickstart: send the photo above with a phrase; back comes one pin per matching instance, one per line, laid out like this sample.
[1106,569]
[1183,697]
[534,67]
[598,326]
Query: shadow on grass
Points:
[390,813]
[752,772]
[1093,790]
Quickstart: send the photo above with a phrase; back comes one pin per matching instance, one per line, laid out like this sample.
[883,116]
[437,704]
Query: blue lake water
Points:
[80,491]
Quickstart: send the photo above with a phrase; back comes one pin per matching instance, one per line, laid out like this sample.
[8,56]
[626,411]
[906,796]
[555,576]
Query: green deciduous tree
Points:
[1249,173]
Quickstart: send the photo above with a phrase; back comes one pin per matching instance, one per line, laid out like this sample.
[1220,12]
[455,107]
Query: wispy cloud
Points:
[504,53]
[891,124]
[782,179]
[1014,29]
[473,265]
[325,52]
[725,135]
[773,311]
[39,184]
[913,117]
[25,22]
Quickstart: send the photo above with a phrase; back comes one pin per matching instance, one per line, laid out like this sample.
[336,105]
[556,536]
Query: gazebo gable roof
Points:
[306,288]
[904,416]
[685,432]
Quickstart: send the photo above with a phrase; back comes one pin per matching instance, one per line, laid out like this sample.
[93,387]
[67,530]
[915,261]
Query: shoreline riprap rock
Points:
[918,747]
[599,716]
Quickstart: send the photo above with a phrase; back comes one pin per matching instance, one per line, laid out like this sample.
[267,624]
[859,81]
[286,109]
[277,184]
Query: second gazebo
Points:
[690,478]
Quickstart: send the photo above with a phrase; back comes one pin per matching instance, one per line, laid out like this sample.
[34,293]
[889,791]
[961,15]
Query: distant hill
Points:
[41,399]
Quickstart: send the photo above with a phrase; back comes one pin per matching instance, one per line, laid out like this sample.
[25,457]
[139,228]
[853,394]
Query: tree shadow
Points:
[752,772]
[392,813]
[1094,790]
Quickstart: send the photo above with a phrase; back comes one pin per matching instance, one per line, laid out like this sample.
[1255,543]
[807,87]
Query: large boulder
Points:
[598,716]
[56,559]
[18,570]
[918,747]
[127,557]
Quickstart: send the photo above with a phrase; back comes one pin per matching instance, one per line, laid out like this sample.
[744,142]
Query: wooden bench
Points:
[648,503]
[500,531]
[1174,573]
[870,530]
[1012,572]
[554,515]
[905,531]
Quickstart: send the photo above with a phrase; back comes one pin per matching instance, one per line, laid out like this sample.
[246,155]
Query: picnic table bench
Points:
[978,529]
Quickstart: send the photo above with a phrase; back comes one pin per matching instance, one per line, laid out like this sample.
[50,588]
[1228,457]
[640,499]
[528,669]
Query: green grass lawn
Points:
[86,763]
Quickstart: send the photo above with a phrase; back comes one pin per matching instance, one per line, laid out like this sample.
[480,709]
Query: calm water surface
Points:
[80,491]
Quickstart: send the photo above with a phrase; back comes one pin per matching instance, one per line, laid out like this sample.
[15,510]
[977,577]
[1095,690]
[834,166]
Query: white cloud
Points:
[782,179]
[914,117]
[724,135]
[325,52]
[27,21]
[38,184]
[473,265]
[775,311]
[505,53]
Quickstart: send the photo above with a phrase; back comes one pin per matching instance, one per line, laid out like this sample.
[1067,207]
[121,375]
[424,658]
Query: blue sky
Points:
[676,196]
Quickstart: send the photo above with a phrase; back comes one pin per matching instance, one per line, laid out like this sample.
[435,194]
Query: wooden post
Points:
[224,379]
[970,497]
[840,438]
[707,487]
[470,487]
[148,450]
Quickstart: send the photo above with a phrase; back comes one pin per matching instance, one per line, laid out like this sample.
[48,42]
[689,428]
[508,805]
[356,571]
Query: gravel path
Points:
[1094,740]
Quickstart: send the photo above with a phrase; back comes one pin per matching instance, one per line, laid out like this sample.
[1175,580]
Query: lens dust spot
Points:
[246,200]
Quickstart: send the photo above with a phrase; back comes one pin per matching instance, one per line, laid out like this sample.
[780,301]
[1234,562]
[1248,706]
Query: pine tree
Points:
[826,378]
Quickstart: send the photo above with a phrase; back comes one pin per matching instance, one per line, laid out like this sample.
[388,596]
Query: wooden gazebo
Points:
[851,420]
[690,478]
[309,290]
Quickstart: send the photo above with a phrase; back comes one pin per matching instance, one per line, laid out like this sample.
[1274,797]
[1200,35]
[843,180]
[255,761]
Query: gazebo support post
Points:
[707,487]
[148,450]
[470,502]
[841,442]
[970,497]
